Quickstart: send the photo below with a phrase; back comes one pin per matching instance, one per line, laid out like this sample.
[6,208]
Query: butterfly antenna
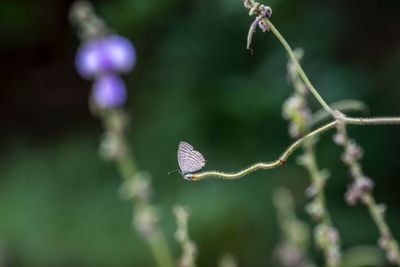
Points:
[172,171]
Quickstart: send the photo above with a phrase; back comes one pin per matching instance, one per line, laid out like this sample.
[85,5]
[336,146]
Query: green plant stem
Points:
[372,121]
[254,9]
[347,105]
[379,220]
[157,242]
[294,233]
[288,151]
[375,210]
[188,247]
[329,247]
[298,67]
[316,178]
[261,165]
[160,249]
[367,197]
[127,168]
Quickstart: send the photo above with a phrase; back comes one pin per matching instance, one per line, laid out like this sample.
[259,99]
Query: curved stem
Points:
[298,67]
[261,165]
[288,151]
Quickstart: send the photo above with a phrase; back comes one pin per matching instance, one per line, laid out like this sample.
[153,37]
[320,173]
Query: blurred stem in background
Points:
[136,187]
[188,247]
[293,245]
[296,110]
[102,57]
[227,260]
[361,190]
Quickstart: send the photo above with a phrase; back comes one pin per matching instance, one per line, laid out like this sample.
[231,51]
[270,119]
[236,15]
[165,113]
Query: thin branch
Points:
[258,9]
[261,165]
[299,69]
[361,190]
[293,147]
[372,121]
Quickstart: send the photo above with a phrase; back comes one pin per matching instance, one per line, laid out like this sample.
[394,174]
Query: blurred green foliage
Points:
[194,81]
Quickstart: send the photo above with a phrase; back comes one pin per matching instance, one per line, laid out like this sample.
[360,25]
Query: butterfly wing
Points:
[184,149]
[189,160]
[195,161]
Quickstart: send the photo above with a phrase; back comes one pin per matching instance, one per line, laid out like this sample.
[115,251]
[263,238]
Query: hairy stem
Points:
[298,67]
[293,147]
[347,105]
[261,165]
[372,121]
[388,243]
[361,189]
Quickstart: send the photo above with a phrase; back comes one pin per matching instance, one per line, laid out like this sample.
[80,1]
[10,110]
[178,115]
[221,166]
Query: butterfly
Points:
[189,159]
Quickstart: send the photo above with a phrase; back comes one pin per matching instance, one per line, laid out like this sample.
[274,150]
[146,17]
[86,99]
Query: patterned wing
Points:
[189,160]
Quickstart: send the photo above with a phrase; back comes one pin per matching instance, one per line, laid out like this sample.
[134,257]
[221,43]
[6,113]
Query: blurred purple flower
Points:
[112,53]
[109,91]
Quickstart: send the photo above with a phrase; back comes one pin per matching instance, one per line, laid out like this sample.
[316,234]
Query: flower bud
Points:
[109,91]
[109,54]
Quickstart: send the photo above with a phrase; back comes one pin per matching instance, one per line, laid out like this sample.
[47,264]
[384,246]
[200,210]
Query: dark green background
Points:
[194,81]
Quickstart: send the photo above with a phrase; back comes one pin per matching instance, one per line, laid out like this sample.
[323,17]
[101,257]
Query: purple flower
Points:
[109,91]
[111,53]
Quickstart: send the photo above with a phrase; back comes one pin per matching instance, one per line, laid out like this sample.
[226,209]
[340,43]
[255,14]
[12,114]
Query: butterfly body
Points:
[189,159]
